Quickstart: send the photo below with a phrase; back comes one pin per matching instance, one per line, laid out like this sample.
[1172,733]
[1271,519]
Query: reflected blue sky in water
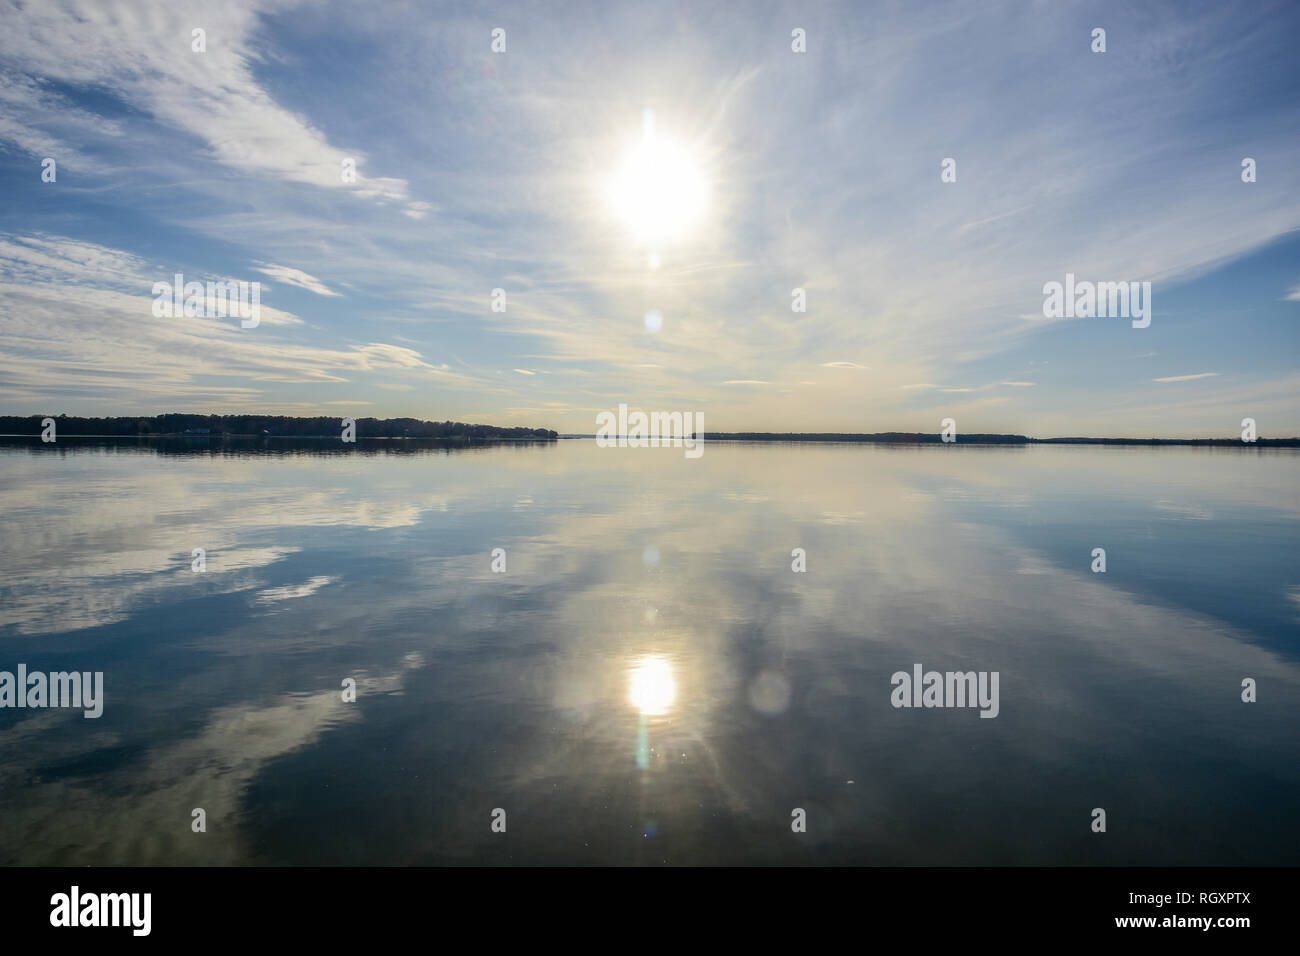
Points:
[649,682]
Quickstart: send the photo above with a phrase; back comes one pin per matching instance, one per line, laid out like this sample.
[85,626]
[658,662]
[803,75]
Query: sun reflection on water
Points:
[651,687]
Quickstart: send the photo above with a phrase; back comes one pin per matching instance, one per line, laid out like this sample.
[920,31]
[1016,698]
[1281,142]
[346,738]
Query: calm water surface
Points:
[648,682]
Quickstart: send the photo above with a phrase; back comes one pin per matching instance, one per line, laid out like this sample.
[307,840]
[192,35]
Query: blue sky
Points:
[480,170]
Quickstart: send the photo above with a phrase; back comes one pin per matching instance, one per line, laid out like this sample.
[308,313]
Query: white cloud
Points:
[76,314]
[296,277]
[143,55]
[47,259]
[417,210]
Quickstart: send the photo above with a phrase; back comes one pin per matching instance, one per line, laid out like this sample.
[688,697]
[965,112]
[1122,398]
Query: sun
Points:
[659,190]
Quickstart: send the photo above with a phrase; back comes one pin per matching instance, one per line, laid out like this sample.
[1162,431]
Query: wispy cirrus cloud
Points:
[145,57]
[74,314]
[296,277]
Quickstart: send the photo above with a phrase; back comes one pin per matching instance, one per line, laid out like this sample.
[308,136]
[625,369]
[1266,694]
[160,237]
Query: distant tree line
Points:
[1225,442]
[906,438]
[269,425]
[919,438]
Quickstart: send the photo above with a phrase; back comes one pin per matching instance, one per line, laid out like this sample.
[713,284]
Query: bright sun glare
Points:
[659,191]
[651,688]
